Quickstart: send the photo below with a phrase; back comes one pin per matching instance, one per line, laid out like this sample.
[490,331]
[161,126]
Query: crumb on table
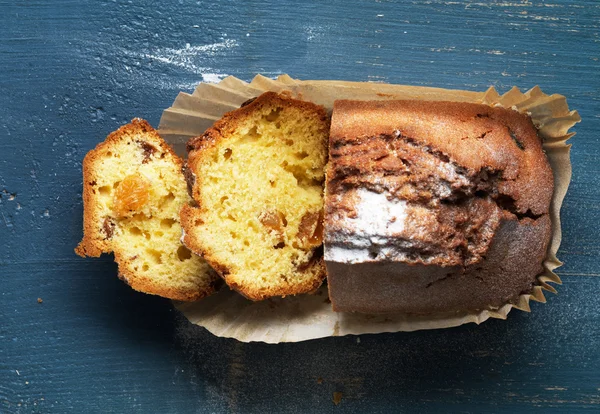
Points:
[337,397]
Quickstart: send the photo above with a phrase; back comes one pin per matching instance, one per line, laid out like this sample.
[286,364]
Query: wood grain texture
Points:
[72,71]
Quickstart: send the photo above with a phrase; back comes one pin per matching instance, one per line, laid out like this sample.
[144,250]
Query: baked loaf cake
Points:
[433,207]
[133,189]
[257,176]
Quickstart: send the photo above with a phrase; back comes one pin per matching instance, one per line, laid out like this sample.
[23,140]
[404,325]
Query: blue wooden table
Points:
[73,338]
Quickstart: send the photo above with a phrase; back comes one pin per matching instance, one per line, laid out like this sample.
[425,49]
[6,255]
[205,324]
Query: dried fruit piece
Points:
[310,231]
[131,194]
[108,225]
[148,149]
[274,221]
[337,397]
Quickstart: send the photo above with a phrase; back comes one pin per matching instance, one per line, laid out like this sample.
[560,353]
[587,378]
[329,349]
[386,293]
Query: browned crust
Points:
[93,243]
[231,120]
[147,285]
[188,217]
[474,136]
[198,147]
[513,263]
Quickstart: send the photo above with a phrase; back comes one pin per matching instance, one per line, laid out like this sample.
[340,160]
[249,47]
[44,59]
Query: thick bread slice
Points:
[257,176]
[133,189]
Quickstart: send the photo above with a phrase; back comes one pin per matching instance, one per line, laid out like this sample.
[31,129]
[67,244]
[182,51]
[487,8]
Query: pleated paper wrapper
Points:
[304,317]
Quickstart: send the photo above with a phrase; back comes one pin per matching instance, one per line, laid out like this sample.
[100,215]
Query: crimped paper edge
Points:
[550,114]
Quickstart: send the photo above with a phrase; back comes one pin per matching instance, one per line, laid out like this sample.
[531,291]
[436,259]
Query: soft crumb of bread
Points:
[133,191]
[259,176]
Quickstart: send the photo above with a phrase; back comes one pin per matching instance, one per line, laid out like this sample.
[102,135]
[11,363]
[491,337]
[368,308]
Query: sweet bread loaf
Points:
[257,177]
[133,190]
[433,207]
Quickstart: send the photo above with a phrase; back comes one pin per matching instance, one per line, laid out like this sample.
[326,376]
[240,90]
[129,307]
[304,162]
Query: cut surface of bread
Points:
[133,189]
[257,176]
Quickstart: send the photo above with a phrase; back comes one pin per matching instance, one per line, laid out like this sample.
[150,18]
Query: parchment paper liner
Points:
[304,317]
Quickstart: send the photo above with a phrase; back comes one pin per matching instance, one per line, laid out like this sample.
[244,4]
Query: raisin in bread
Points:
[257,176]
[433,207]
[133,189]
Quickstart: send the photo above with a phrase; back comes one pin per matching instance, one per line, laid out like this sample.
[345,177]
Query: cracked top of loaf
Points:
[433,207]
[428,182]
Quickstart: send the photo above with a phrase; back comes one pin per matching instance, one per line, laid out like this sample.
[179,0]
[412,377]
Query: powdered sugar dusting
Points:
[377,219]
[376,215]
[213,77]
[180,68]
[189,57]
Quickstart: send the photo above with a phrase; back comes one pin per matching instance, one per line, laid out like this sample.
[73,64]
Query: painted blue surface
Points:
[72,71]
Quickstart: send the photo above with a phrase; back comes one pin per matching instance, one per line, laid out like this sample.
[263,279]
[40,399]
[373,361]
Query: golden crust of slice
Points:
[133,189]
[257,177]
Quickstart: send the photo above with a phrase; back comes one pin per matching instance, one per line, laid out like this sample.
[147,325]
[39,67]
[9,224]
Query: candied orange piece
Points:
[131,194]
[310,231]
[274,221]
[317,237]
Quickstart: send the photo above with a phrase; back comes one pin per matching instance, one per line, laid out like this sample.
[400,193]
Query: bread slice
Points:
[133,189]
[257,176]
